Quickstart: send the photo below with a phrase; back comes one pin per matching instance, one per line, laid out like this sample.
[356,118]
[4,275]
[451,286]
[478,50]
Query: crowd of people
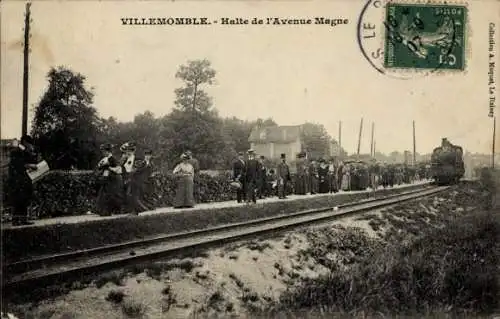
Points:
[124,183]
[254,179]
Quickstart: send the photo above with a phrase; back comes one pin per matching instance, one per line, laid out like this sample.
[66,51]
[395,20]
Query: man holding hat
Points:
[283,177]
[251,176]
[22,158]
[239,175]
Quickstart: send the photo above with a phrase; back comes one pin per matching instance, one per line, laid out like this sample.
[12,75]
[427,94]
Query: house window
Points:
[263,135]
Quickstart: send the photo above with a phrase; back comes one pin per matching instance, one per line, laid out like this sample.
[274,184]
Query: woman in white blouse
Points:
[184,173]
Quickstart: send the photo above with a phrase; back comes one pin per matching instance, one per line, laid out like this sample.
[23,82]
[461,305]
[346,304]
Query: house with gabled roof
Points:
[275,140]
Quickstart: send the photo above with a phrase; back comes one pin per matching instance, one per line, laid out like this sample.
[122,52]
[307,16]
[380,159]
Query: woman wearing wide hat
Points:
[145,173]
[184,172]
[110,194]
[141,171]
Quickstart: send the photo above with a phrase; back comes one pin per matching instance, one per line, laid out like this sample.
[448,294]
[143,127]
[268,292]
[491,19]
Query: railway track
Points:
[52,268]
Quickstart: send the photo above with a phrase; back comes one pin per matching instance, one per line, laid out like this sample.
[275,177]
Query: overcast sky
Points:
[290,73]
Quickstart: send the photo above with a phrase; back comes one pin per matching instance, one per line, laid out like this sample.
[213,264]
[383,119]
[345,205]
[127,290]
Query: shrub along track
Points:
[58,267]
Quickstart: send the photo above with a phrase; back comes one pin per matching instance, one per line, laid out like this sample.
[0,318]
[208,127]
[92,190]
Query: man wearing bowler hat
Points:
[261,183]
[252,175]
[283,177]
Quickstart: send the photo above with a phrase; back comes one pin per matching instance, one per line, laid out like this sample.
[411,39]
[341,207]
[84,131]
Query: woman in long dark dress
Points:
[109,197]
[324,183]
[184,194]
[300,178]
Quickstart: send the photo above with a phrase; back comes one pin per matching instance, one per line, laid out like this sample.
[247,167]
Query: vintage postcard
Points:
[182,159]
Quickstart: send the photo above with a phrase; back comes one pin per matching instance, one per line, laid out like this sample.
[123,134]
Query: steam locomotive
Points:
[447,163]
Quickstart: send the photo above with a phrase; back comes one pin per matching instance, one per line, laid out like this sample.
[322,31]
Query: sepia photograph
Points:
[249,159]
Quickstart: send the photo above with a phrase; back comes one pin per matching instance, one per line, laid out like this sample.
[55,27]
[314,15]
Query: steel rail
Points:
[162,246]
[44,260]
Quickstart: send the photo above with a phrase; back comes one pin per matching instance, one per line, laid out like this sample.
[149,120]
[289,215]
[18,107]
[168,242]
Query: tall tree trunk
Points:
[194,96]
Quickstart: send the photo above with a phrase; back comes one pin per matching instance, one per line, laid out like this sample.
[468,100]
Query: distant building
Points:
[408,158]
[273,141]
[335,150]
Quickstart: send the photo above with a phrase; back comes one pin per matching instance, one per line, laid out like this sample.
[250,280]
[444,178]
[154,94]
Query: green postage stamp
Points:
[425,36]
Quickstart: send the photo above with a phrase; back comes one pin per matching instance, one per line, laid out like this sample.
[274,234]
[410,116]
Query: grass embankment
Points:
[420,263]
[17,243]
[428,256]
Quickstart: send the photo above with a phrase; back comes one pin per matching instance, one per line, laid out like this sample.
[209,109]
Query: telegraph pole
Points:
[374,147]
[26,68]
[359,138]
[340,139]
[372,153]
[414,146]
[340,134]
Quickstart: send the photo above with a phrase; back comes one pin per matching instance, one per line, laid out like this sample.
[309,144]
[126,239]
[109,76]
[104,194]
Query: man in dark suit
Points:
[251,176]
[193,161]
[313,178]
[262,178]
[239,175]
[23,158]
[283,177]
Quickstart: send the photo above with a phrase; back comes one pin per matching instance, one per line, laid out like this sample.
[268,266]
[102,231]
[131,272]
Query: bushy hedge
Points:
[72,193]
[66,193]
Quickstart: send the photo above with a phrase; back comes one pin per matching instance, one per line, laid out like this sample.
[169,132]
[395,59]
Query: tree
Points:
[316,140]
[269,122]
[146,130]
[65,123]
[203,137]
[191,96]
[194,125]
